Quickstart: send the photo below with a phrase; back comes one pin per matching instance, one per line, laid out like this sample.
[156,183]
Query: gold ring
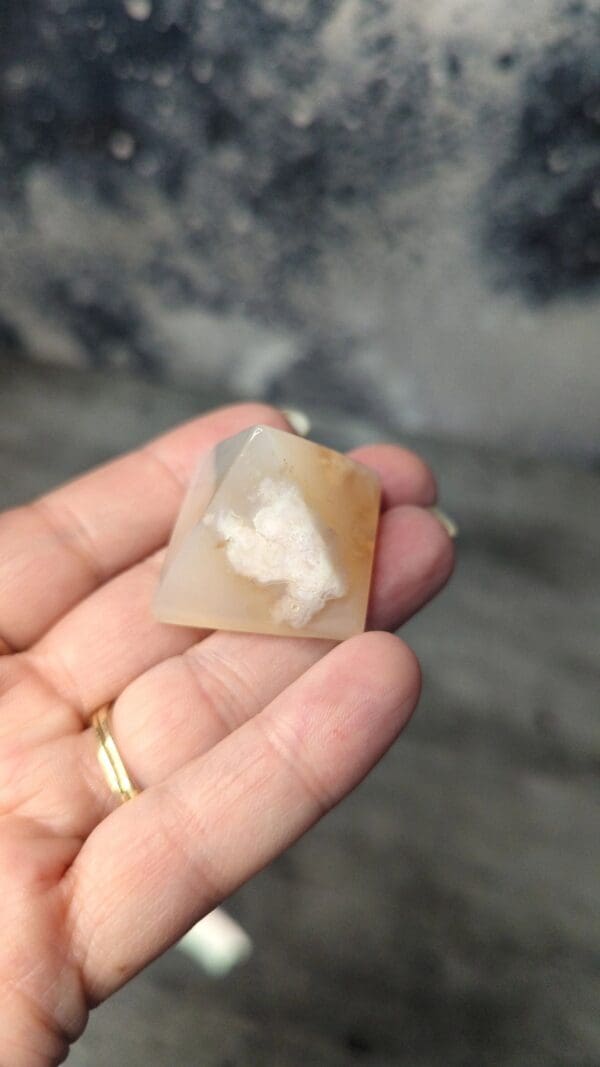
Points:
[108,754]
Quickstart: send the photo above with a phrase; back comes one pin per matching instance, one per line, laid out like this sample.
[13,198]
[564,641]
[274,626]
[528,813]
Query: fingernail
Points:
[449,524]
[299,422]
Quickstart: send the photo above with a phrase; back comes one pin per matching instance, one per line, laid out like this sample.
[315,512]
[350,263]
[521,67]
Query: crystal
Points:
[276,535]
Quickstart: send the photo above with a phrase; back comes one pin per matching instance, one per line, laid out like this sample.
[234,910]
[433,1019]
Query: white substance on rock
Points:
[282,543]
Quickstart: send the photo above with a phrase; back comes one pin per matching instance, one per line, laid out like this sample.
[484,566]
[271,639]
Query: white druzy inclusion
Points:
[282,543]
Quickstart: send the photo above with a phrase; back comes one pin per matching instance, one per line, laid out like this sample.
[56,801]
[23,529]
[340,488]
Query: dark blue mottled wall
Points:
[390,207]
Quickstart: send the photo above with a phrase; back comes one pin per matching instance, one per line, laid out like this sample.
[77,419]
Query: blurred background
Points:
[387,214]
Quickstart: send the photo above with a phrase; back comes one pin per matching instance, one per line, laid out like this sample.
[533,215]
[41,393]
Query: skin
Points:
[240,742]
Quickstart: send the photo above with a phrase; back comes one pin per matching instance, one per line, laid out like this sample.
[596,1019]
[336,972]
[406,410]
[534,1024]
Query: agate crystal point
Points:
[276,535]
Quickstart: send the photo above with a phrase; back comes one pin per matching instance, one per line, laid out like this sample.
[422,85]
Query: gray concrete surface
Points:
[446,915]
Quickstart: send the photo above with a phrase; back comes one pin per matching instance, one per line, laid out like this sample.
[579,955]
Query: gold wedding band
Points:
[108,755]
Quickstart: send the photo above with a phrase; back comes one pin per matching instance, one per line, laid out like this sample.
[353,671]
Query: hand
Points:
[240,742]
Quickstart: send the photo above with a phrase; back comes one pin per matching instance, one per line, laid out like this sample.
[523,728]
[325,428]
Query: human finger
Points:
[157,864]
[92,664]
[56,550]
[187,703]
[405,477]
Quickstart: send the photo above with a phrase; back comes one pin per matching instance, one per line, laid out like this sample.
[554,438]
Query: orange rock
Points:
[276,535]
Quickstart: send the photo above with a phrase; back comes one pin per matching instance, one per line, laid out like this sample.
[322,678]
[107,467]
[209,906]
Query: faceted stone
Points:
[276,535]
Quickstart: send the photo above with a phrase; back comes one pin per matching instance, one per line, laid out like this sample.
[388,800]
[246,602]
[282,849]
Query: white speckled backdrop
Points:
[375,206]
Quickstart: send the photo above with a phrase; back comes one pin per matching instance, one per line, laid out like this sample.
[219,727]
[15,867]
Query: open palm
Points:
[239,742]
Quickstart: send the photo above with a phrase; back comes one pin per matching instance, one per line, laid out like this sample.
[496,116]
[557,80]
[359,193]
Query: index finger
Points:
[58,549]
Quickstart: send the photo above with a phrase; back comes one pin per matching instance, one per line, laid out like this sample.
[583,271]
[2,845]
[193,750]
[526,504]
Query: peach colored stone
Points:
[276,535]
